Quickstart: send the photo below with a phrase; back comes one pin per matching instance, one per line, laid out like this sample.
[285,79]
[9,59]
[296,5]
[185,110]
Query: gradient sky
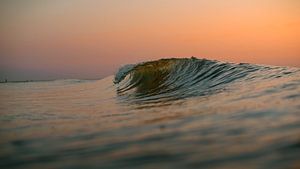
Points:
[49,39]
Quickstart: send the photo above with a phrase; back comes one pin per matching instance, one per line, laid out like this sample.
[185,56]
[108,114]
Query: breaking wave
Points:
[172,79]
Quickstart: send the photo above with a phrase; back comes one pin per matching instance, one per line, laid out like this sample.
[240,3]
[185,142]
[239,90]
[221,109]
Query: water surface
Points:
[171,113]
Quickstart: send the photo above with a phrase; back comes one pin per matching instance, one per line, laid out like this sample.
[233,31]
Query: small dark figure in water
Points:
[4,81]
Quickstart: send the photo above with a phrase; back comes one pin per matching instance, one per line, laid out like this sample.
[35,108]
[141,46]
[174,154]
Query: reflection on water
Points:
[178,113]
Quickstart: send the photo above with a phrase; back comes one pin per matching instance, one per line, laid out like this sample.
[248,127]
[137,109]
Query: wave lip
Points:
[177,78]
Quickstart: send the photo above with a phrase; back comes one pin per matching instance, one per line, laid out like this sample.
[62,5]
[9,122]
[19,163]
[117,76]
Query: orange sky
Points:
[90,39]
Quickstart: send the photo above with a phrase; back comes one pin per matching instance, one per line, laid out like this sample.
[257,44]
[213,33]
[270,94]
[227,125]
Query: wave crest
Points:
[170,79]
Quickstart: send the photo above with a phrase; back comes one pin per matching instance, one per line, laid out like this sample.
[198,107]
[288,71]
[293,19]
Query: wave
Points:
[177,78]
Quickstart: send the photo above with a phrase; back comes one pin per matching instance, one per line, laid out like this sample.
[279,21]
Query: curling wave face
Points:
[172,79]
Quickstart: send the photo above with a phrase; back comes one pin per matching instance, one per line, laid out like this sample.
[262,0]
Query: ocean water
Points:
[164,114]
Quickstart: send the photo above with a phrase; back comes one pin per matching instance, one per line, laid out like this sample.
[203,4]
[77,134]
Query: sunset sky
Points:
[50,39]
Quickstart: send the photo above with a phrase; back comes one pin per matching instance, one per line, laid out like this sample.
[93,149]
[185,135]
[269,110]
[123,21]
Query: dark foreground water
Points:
[172,113]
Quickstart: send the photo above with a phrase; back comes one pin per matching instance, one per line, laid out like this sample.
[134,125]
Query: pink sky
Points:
[52,39]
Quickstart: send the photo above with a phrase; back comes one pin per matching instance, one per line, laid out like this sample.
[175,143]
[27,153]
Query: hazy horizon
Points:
[79,39]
